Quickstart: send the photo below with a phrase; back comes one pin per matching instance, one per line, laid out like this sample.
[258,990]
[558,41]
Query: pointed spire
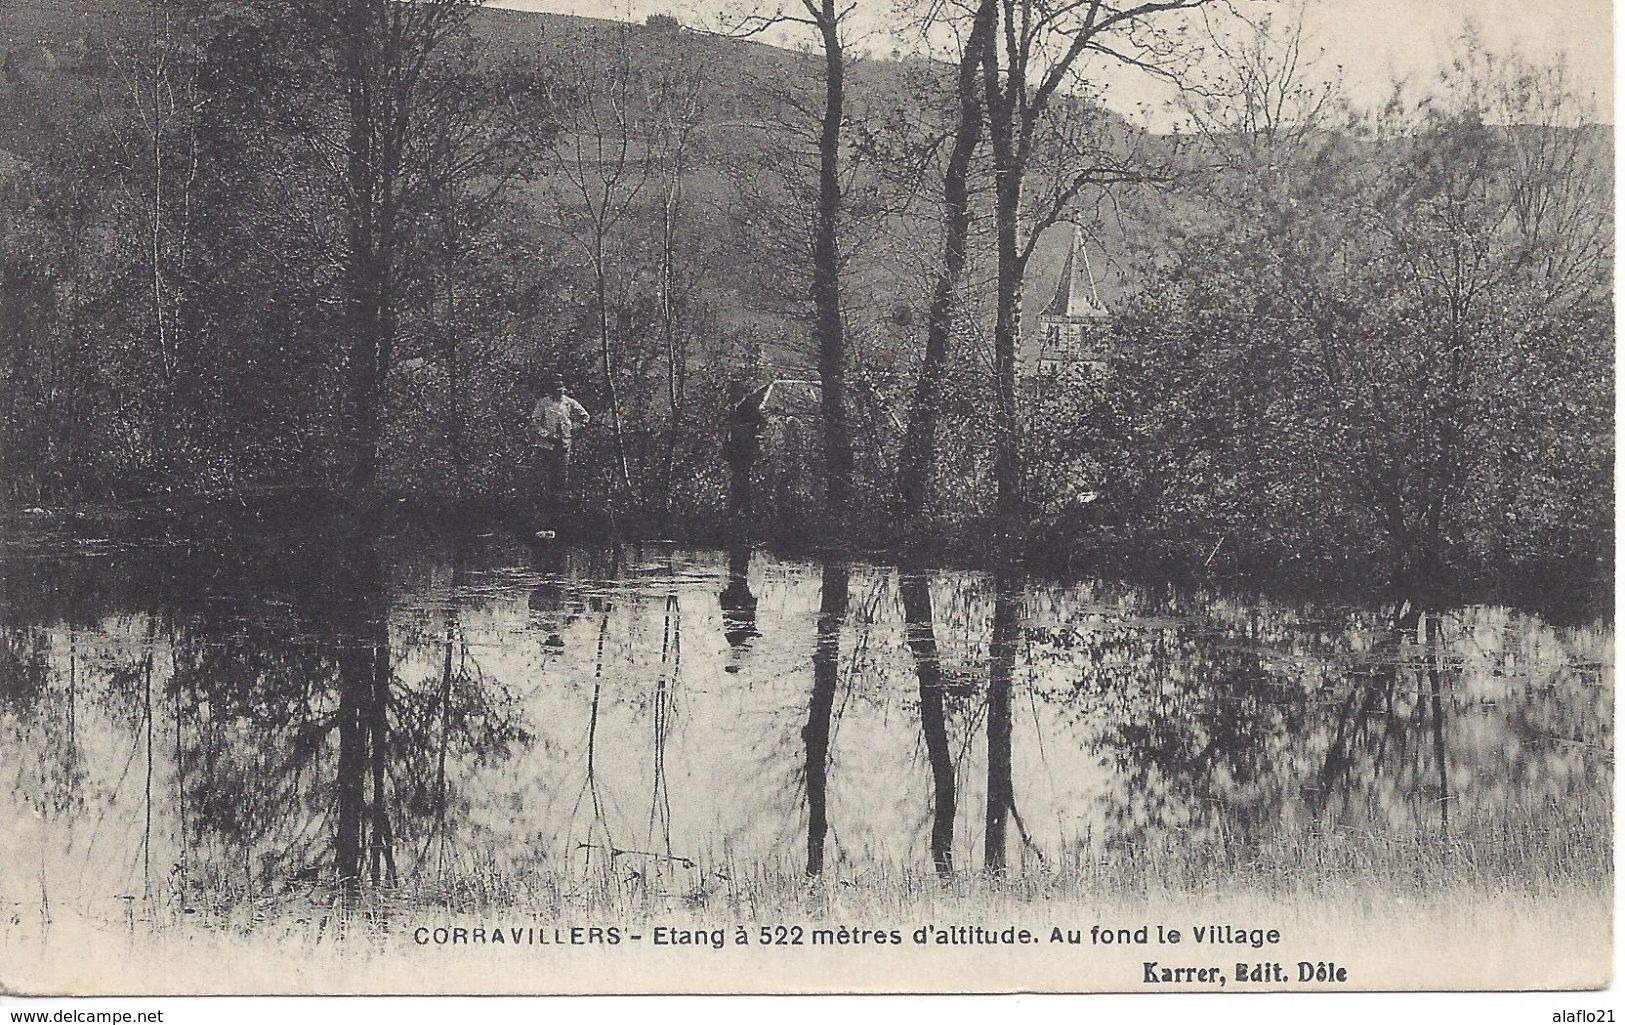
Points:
[1076,296]
[1082,298]
[1061,301]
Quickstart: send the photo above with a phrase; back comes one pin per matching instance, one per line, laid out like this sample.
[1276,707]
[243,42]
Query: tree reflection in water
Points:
[297,752]
[361,643]
[826,662]
[922,642]
[351,714]
[663,707]
[1374,737]
[1435,664]
[737,600]
[1001,795]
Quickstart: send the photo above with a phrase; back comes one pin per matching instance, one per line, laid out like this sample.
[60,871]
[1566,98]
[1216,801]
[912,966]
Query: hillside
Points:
[60,80]
[58,77]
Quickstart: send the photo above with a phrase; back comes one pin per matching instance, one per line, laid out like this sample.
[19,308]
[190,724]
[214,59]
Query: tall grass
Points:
[1532,853]
[1484,905]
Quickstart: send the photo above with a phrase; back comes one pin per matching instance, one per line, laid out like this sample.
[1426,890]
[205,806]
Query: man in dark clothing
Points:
[747,416]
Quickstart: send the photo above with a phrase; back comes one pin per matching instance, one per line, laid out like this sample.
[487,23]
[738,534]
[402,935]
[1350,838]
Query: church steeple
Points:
[1075,294]
[1075,325]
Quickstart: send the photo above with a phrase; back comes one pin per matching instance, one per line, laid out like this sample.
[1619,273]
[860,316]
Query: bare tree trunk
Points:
[162,88]
[160,302]
[917,464]
[1002,125]
[603,179]
[454,384]
[384,53]
[826,283]
[1040,46]
[451,341]
[617,428]
[675,364]
[365,272]
[369,360]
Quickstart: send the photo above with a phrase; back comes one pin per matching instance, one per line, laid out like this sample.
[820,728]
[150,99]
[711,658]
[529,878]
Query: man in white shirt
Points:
[553,420]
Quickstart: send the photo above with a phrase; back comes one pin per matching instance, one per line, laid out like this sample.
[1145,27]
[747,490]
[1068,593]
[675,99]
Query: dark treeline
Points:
[251,246]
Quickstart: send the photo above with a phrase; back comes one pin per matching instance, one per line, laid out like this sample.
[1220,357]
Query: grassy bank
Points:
[1515,901]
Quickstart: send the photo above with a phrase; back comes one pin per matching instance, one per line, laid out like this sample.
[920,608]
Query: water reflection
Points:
[826,671]
[915,589]
[1435,671]
[355,714]
[1390,727]
[737,600]
[297,749]
[1001,794]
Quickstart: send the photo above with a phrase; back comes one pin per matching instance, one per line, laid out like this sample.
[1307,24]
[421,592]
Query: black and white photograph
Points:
[568,497]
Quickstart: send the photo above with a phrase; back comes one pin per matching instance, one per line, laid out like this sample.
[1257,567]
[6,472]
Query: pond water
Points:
[303,714]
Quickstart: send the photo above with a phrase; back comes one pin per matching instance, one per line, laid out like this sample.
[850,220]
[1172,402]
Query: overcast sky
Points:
[1372,40]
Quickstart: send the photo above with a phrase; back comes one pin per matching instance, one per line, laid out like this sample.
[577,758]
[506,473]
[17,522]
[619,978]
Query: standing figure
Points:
[747,416]
[552,422]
